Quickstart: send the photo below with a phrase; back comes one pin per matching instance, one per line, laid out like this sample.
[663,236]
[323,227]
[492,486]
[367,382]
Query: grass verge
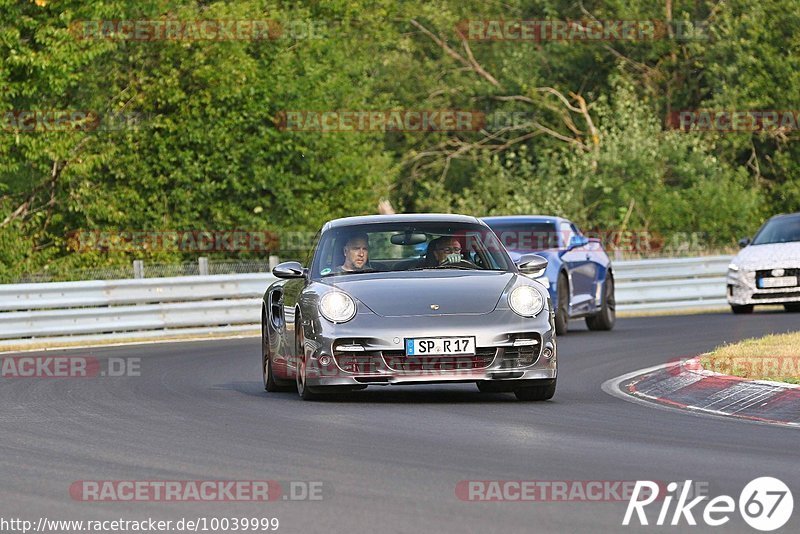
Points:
[775,357]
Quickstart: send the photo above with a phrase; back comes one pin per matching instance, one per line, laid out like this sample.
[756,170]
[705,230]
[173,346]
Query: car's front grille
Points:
[519,356]
[396,360]
[525,355]
[768,273]
[763,277]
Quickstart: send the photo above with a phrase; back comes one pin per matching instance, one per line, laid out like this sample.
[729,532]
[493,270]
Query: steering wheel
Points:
[463,264]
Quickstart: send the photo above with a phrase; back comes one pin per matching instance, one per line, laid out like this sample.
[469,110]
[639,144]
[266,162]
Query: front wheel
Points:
[747,308]
[271,384]
[536,393]
[605,319]
[562,305]
[303,390]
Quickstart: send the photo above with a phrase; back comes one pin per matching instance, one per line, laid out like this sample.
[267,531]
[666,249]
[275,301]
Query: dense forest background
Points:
[590,138]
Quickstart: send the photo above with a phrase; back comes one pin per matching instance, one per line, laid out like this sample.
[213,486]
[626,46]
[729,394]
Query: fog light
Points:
[325,360]
[548,353]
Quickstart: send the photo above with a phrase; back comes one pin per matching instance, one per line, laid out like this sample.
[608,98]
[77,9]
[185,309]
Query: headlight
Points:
[337,307]
[733,267]
[525,301]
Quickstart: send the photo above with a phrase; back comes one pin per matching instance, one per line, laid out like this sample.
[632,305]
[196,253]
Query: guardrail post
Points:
[202,266]
[138,269]
[273,262]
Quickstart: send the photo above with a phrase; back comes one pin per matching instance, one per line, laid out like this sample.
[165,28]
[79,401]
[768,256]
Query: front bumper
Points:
[508,348]
[743,291]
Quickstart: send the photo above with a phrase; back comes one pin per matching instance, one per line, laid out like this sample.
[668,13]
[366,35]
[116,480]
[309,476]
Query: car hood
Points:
[770,256]
[454,292]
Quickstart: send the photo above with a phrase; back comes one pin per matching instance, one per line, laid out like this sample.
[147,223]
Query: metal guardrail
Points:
[113,306]
[97,307]
[671,284]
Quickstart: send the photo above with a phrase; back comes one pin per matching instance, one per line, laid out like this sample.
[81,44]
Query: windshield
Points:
[403,246]
[782,230]
[526,236]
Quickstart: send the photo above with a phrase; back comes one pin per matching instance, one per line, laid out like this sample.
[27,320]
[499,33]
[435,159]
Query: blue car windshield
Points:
[781,230]
[526,236]
[404,246]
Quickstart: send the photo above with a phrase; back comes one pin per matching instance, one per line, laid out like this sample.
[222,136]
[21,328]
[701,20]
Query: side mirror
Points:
[743,242]
[577,241]
[532,264]
[289,269]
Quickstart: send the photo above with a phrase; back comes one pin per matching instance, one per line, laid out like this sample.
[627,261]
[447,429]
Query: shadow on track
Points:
[415,394]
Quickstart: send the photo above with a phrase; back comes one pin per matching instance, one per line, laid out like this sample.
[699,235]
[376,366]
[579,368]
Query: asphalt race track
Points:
[389,457]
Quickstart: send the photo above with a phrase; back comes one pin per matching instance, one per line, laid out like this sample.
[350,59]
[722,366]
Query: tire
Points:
[271,384]
[536,393]
[562,305]
[794,307]
[747,308]
[303,390]
[605,319]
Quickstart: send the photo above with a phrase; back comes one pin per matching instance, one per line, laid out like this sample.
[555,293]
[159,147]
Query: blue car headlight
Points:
[337,306]
[525,301]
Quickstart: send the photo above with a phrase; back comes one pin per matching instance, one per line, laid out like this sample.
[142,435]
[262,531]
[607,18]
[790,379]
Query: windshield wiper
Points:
[446,266]
[457,266]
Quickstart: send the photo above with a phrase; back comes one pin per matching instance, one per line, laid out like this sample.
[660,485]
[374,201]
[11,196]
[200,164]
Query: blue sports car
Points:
[579,276]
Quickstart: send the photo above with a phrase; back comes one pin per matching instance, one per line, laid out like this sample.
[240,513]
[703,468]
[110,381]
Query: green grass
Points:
[775,357]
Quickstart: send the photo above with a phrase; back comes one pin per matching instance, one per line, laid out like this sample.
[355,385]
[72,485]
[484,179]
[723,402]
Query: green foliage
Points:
[209,155]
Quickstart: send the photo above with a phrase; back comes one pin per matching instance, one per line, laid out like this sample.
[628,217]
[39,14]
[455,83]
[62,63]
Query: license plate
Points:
[440,346]
[779,281]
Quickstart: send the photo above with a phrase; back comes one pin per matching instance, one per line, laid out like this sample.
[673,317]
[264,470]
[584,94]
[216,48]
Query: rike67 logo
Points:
[765,504]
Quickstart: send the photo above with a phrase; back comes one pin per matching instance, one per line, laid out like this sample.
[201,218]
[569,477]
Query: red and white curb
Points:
[687,387]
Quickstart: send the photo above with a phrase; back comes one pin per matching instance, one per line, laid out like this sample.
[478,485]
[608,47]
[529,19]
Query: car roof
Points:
[400,218]
[785,216]
[523,219]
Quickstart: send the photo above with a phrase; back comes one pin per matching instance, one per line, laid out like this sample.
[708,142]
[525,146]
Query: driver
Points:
[445,249]
[356,254]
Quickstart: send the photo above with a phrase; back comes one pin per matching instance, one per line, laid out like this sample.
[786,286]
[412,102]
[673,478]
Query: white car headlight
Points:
[337,306]
[525,301]
[733,267]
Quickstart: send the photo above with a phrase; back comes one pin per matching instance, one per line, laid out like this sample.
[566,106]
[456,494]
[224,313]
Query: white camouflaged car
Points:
[767,269]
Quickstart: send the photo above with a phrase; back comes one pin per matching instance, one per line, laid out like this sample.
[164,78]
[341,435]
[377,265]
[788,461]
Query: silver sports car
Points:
[409,299]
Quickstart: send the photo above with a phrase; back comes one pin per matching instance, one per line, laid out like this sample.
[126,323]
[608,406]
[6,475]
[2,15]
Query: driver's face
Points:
[356,254]
[450,246]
